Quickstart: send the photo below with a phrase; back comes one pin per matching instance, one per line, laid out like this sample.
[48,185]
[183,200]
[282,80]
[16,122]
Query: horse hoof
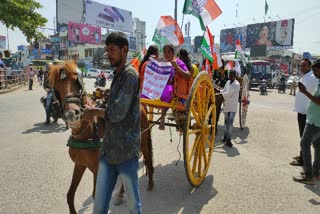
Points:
[117,200]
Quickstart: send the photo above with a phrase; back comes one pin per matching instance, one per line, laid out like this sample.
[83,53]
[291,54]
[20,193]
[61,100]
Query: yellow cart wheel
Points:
[199,129]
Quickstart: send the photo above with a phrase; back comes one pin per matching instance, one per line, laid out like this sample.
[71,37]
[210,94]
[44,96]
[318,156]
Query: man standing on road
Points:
[31,76]
[311,134]
[294,84]
[230,93]
[120,151]
[301,102]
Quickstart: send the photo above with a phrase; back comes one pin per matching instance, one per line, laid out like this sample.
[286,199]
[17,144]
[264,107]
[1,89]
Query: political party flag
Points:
[230,65]
[205,10]
[208,49]
[168,32]
[136,61]
[239,52]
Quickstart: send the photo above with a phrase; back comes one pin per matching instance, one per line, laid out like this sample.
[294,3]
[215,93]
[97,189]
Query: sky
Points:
[306,14]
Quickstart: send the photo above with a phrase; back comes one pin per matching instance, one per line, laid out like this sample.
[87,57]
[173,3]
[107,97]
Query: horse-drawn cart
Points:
[194,114]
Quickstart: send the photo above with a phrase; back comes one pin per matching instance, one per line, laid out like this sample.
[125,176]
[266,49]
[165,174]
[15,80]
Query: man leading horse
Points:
[121,146]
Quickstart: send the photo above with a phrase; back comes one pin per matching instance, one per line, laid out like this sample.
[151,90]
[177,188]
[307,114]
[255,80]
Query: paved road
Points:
[252,177]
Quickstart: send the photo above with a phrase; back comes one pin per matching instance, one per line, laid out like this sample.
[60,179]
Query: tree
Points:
[21,14]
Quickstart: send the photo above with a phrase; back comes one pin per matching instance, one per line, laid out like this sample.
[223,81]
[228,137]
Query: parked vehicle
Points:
[289,81]
[259,69]
[93,72]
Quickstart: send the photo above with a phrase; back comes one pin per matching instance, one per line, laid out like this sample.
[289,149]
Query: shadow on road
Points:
[171,194]
[86,205]
[315,189]
[242,134]
[46,129]
[231,152]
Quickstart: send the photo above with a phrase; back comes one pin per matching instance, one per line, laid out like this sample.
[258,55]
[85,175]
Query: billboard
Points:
[132,42]
[3,42]
[275,35]
[81,33]
[228,38]
[71,10]
[108,17]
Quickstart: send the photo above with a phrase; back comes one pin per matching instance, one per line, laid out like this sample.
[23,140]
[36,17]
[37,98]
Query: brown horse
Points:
[70,91]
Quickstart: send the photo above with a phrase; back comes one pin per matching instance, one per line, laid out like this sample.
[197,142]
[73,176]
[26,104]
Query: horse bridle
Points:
[72,98]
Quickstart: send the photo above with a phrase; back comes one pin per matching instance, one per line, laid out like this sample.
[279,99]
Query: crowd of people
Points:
[119,158]
[123,110]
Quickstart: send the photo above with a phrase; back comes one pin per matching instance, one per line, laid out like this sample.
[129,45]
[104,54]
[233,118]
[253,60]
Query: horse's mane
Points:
[70,68]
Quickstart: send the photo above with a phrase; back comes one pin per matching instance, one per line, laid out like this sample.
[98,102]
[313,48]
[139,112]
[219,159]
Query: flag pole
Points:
[176,10]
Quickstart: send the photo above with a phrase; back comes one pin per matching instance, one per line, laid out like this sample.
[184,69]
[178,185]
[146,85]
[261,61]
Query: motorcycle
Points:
[55,108]
[100,81]
[282,87]
[263,87]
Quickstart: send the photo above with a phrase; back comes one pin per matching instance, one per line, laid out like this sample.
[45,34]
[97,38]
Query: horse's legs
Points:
[76,178]
[146,147]
[94,171]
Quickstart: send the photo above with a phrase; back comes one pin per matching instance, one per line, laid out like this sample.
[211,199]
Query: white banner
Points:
[108,17]
[156,77]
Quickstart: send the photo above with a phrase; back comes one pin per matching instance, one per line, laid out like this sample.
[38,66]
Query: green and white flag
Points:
[205,10]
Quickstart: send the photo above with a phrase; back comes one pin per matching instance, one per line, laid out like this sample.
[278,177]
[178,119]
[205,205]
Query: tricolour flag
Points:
[205,10]
[168,32]
[136,61]
[239,52]
[208,49]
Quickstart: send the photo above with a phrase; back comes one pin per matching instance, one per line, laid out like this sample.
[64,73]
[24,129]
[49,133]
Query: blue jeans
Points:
[48,104]
[311,135]
[228,124]
[106,181]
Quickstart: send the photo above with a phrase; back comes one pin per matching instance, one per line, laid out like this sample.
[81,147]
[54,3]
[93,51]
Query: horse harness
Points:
[78,100]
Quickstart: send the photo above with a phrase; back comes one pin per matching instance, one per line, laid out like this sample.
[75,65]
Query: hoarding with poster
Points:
[132,42]
[275,35]
[81,33]
[108,17]
[228,38]
[71,10]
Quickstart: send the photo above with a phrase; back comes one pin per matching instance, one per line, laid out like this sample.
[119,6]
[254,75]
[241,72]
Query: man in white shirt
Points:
[301,101]
[230,93]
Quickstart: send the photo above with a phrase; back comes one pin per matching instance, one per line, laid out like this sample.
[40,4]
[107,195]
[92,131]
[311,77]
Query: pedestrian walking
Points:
[230,94]
[293,86]
[120,150]
[311,134]
[30,76]
[301,102]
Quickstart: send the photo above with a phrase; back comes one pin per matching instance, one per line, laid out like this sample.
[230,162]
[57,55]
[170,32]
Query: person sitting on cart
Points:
[152,52]
[180,69]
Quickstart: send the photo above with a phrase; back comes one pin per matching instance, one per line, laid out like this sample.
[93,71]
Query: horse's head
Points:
[68,86]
